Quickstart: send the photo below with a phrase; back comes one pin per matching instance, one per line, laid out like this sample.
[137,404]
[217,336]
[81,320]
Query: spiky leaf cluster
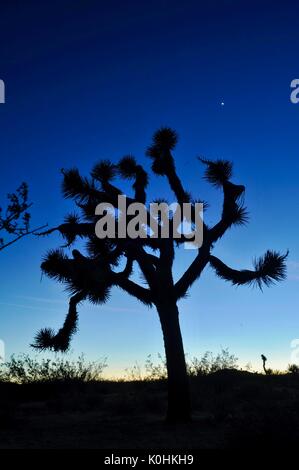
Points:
[164,140]
[217,172]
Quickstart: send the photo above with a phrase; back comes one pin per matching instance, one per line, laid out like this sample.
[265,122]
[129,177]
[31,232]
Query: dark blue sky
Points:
[87,80]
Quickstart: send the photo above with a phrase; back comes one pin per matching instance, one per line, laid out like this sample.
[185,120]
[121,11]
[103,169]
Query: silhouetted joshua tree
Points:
[264,359]
[267,371]
[91,276]
[15,219]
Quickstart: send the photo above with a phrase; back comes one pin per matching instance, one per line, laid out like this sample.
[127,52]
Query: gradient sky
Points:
[87,80]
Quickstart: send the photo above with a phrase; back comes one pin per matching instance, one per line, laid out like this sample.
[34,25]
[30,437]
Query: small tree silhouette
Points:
[15,219]
[91,277]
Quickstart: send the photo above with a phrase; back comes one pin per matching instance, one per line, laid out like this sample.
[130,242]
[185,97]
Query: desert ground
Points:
[231,409]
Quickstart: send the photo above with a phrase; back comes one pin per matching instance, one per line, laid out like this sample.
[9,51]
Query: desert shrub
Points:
[155,371]
[209,363]
[134,373]
[151,371]
[293,369]
[25,369]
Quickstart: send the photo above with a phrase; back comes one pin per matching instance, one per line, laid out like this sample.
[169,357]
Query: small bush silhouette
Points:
[24,369]
[293,369]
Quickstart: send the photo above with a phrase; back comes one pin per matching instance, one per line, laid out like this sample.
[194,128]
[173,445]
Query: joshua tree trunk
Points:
[179,406]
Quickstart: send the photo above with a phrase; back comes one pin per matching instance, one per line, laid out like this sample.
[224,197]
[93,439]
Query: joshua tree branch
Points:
[128,268]
[193,272]
[268,269]
[47,339]
[176,184]
[141,293]
[145,263]
[129,169]
[233,213]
